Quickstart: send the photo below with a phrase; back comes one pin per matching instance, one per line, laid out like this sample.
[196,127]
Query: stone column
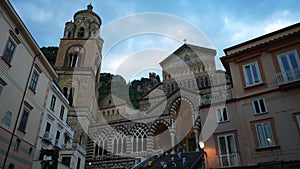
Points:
[172,133]
[196,131]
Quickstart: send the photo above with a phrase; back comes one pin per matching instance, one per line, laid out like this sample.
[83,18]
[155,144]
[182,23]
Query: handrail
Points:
[195,164]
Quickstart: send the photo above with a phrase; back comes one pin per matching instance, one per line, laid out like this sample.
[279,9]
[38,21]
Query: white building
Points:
[55,140]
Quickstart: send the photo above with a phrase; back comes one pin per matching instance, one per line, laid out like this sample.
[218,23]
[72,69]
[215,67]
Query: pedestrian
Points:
[162,164]
[179,154]
[174,165]
[185,162]
[149,164]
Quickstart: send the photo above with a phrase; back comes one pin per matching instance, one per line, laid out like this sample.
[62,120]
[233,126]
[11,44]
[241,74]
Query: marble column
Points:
[172,133]
[196,131]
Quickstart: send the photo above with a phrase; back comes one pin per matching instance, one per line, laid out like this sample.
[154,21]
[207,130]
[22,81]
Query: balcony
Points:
[73,147]
[287,77]
[47,137]
[69,130]
[58,144]
[216,97]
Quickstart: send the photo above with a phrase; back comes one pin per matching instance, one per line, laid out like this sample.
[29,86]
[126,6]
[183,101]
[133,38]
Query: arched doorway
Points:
[162,138]
[184,125]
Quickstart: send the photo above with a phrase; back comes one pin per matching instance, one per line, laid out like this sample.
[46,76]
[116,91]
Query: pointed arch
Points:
[139,134]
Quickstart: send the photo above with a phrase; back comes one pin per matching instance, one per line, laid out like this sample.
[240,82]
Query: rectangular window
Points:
[57,135]
[222,115]
[264,134]
[17,144]
[9,50]
[34,80]
[62,111]
[66,161]
[48,127]
[24,120]
[52,104]
[252,74]
[228,151]
[259,106]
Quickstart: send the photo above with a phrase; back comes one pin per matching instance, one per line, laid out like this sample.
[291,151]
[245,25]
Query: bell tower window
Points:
[74,56]
[73,60]
[81,32]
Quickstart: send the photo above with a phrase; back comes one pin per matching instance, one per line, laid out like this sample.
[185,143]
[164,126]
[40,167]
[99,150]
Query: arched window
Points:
[187,58]
[69,34]
[119,142]
[139,139]
[81,32]
[71,96]
[74,56]
[65,91]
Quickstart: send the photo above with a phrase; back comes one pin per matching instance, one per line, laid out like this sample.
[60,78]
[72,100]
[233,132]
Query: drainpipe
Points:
[19,111]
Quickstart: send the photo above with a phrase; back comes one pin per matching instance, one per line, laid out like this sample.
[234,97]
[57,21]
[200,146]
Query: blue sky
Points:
[223,23]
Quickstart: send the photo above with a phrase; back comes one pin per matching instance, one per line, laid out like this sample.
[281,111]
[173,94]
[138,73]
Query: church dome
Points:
[87,16]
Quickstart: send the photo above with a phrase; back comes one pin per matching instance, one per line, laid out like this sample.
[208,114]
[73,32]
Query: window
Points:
[57,142]
[62,111]
[2,84]
[187,58]
[6,120]
[48,127]
[290,65]
[9,50]
[222,115]
[298,120]
[24,120]
[17,144]
[52,103]
[78,163]
[252,74]
[228,151]
[30,151]
[34,80]
[259,106]
[264,134]
[66,161]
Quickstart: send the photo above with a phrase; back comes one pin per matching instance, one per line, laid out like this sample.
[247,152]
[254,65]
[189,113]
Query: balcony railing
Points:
[47,137]
[217,97]
[74,146]
[288,76]
[69,130]
[58,144]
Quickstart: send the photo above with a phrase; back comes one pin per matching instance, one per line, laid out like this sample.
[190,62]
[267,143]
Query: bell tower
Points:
[78,65]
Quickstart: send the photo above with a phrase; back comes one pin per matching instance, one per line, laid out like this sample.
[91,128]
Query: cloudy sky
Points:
[138,34]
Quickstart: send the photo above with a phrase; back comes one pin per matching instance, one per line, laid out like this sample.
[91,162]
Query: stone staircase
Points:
[194,161]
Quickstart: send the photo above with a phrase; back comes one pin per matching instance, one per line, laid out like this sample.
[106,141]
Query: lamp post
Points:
[201,145]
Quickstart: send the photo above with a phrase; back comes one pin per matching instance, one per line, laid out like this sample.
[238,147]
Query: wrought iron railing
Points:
[288,76]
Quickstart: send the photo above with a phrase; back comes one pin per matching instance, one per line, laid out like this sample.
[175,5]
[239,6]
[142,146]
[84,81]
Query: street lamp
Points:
[201,144]
[90,163]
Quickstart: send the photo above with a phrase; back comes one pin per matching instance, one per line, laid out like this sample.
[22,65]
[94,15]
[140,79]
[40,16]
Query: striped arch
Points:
[154,126]
[122,129]
[177,102]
